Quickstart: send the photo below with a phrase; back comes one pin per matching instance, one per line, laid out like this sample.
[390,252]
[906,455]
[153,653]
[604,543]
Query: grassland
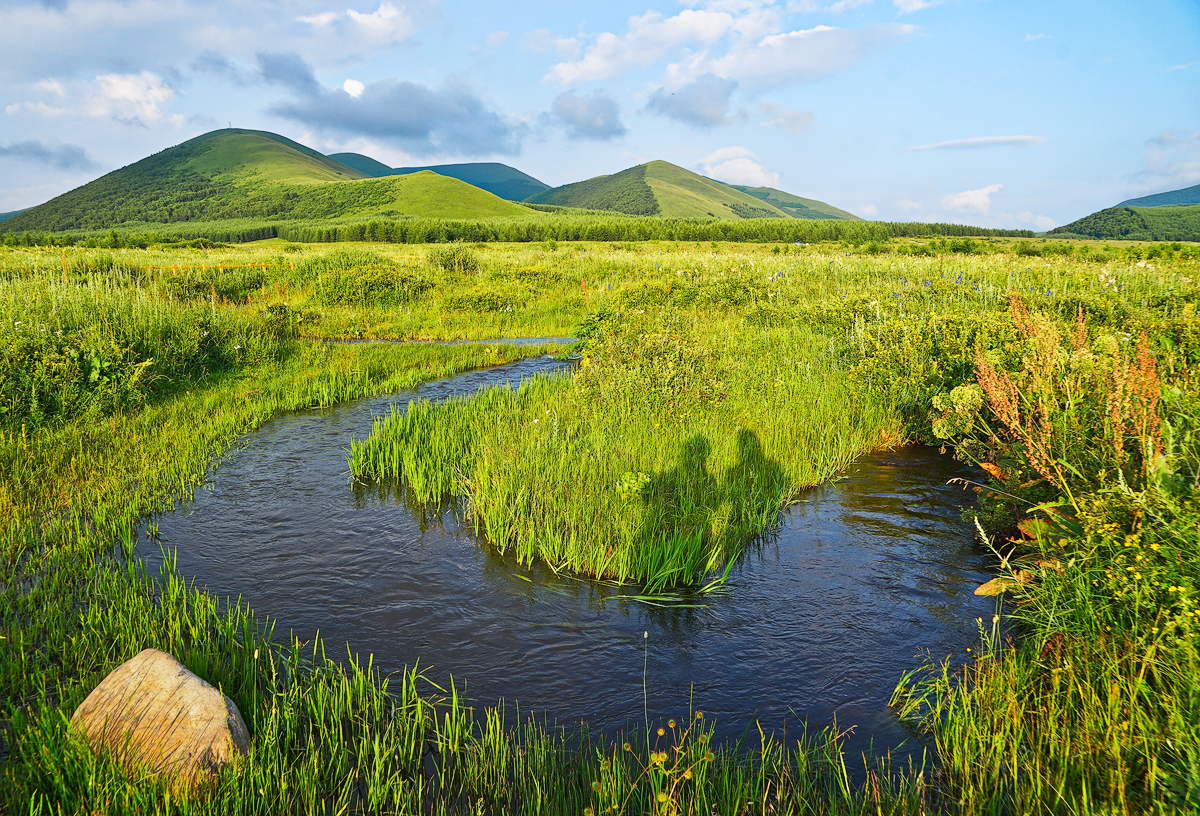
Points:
[1070,374]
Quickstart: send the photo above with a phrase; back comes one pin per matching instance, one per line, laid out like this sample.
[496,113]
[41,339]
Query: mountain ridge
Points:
[1172,198]
[498,179]
[236,173]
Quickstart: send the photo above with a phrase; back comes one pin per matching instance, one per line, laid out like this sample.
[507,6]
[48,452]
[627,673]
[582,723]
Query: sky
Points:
[999,113]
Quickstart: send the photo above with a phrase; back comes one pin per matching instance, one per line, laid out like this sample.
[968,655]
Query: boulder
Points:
[152,712]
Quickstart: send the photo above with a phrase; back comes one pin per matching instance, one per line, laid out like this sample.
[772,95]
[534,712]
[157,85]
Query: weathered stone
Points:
[151,711]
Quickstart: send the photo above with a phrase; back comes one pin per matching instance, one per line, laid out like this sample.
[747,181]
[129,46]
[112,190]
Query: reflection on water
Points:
[862,576]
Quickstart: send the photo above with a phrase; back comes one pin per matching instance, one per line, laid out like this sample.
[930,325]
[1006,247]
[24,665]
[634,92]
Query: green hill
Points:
[235,173]
[498,179]
[795,206]
[1188,195]
[1162,223]
[8,215]
[660,188]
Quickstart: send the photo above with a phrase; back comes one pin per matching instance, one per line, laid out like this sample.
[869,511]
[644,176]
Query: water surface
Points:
[862,577]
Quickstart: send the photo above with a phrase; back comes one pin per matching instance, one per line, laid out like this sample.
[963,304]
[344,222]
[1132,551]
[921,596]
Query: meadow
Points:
[1066,368]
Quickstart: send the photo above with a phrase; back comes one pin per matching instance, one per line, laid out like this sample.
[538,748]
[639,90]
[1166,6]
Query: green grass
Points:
[658,462]
[235,174]
[718,379]
[683,194]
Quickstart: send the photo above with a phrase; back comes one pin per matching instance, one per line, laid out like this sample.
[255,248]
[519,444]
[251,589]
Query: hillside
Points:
[794,205]
[659,188]
[498,179]
[235,173]
[8,215]
[1188,195]
[1163,223]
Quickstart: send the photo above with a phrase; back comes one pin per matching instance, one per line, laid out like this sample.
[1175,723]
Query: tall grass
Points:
[658,462]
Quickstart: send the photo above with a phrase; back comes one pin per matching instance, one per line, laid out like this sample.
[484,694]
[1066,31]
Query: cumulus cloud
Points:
[704,102]
[418,119]
[353,87]
[737,165]
[591,116]
[797,56]
[909,6]
[740,41]
[793,121]
[63,156]
[869,210]
[131,98]
[288,70]
[983,141]
[649,38]
[497,39]
[977,202]
[387,24]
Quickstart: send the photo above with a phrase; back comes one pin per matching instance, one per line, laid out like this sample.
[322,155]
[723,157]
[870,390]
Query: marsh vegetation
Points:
[716,381]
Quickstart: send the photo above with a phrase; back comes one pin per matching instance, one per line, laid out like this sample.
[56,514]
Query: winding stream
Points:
[863,576]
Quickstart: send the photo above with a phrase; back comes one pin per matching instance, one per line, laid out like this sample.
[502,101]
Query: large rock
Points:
[151,711]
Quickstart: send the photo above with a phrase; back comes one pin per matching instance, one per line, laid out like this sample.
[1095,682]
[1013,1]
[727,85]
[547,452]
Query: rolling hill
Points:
[498,179]
[1159,223]
[795,206]
[8,215]
[236,173]
[661,188]
[1188,195]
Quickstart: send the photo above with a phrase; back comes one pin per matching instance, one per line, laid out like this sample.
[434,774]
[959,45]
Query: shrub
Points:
[371,284]
[456,257]
[488,297]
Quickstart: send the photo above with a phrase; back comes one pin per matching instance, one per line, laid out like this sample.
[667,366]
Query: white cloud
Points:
[1183,67]
[847,5]
[321,20]
[793,121]
[909,6]
[650,37]
[1032,37]
[983,141]
[497,39]
[385,25]
[792,56]
[737,165]
[36,107]
[134,97]
[909,206]
[52,86]
[972,201]
[869,210]
[353,87]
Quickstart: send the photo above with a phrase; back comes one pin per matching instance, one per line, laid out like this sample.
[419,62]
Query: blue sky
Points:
[993,112]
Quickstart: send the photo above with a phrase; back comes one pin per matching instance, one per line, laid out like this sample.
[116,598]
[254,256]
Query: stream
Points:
[862,577]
